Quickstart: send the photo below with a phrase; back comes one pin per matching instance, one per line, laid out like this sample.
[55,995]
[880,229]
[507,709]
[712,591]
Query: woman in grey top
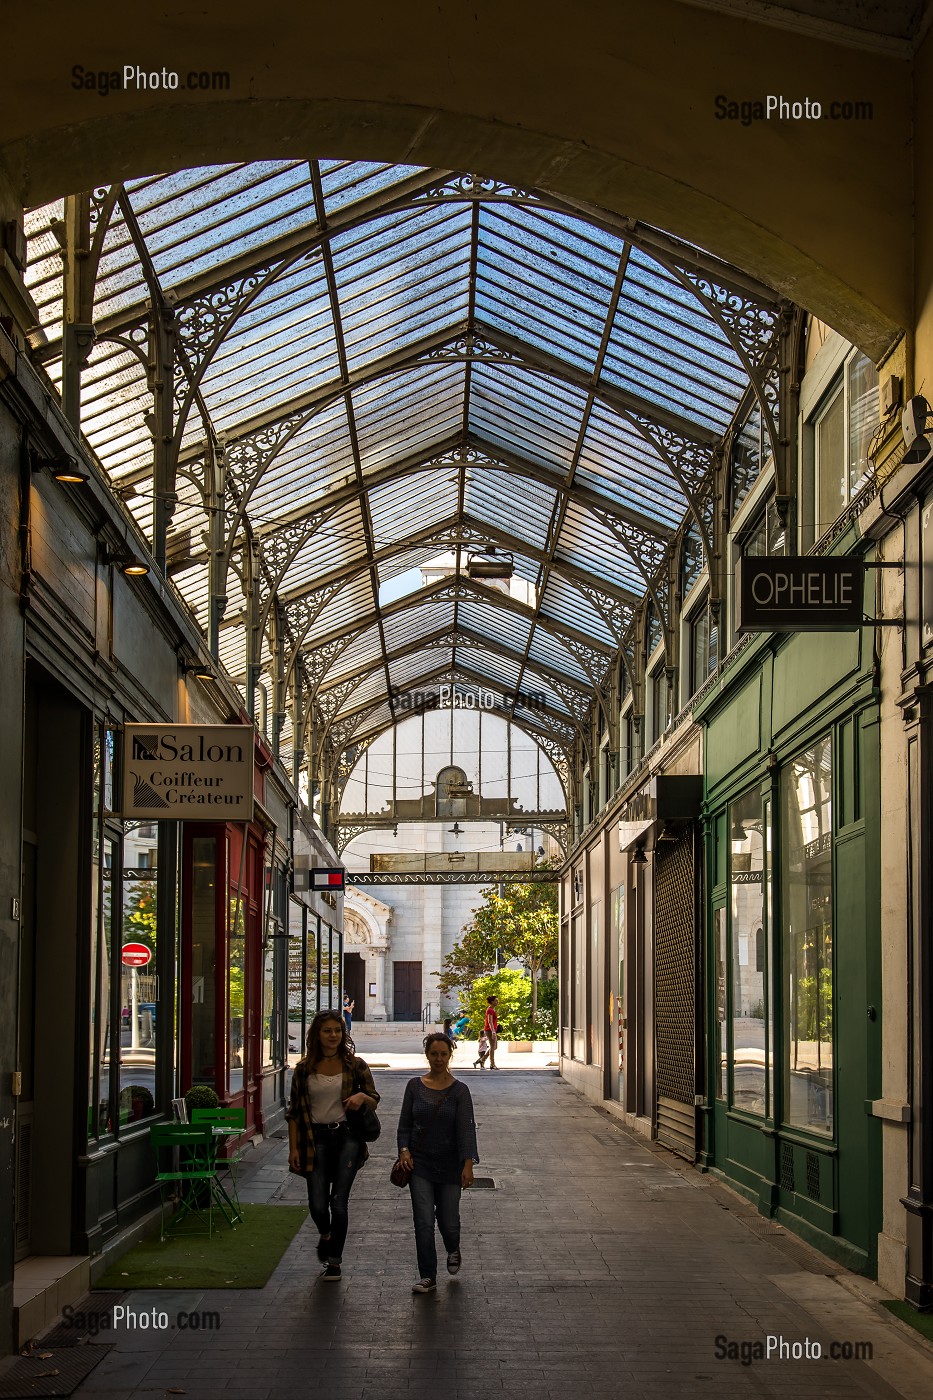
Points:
[437,1140]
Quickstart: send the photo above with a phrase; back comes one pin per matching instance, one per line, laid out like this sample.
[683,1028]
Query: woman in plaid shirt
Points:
[329,1080]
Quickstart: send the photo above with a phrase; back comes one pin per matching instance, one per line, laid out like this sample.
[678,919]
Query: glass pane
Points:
[579,987]
[767,959]
[111,886]
[748,954]
[746,459]
[203,954]
[862,388]
[699,648]
[808,937]
[596,989]
[236,992]
[691,558]
[94,988]
[618,945]
[830,464]
[269,1018]
[565,983]
[139,983]
[721,1049]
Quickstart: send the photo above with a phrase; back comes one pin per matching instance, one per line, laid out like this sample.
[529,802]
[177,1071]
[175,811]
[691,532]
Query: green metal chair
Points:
[234,1120]
[192,1177]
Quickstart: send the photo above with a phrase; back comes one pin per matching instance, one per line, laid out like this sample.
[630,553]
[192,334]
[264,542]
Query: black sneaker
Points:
[454,1261]
[323,1248]
[424,1285]
[331,1273]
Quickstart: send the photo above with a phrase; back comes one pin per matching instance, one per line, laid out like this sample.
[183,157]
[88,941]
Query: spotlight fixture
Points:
[489,564]
[128,563]
[201,670]
[64,469]
[638,856]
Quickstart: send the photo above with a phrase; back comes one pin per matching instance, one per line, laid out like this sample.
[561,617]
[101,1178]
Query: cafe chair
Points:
[191,1176]
[225,1123]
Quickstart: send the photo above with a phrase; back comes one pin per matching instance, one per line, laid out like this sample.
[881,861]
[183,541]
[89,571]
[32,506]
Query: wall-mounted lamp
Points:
[128,563]
[64,469]
[638,856]
[201,670]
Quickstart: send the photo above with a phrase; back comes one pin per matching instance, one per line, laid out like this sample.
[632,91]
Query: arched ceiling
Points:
[376,365]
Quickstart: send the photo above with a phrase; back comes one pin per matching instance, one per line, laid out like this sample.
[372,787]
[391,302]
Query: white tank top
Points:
[326,1094]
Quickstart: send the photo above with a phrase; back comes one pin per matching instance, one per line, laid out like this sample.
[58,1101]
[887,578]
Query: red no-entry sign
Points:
[136,954]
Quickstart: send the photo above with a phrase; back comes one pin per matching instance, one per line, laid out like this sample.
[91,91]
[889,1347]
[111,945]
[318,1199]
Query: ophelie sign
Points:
[799,594]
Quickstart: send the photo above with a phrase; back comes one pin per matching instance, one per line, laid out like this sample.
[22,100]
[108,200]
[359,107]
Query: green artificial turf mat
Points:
[240,1258]
[922,1322]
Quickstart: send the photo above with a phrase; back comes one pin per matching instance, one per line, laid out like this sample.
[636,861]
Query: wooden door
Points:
[406,991]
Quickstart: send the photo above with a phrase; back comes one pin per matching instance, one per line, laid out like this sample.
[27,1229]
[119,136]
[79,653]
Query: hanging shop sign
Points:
[187,772]
[135,955]
[330,878]
[798,594]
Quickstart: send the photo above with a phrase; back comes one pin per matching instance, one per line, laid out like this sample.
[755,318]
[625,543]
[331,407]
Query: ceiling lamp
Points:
[489,564]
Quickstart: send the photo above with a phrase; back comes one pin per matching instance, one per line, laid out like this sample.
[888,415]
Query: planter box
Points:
[520,1047]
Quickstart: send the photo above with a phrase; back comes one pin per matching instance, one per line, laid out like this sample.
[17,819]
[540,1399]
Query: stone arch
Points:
[379,83]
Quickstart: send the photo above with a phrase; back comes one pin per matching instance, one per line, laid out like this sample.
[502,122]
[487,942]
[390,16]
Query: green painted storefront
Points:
[792,937]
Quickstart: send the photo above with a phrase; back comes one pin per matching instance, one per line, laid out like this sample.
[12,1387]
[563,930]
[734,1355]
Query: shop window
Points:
[616,1047]
[704,645]
[659,703]
[747,459]
[721,1050]
[596,989]
[748,982]
[566,956]
[691,560]
[765,534]
[654,632]
[841,431]
[578,971]
[125,1021]
[203,954]
[236,993]
[807,895]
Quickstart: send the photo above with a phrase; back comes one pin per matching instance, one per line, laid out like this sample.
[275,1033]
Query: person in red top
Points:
[491,1028]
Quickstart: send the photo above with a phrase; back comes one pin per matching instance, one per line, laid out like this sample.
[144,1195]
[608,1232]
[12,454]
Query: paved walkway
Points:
[598,1267]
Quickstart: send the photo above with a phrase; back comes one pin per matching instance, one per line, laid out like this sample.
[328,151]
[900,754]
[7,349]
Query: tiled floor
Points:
[599,1267]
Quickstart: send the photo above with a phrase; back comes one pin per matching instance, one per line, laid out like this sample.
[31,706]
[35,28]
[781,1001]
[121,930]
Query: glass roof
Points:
[399,365]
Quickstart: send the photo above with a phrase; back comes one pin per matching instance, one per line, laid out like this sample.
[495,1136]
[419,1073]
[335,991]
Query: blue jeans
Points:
[337,1158]
[430,1199]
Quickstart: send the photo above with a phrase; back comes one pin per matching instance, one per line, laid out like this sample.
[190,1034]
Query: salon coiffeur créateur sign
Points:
[187,772]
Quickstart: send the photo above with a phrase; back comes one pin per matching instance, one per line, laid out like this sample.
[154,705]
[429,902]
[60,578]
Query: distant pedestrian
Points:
[437,1140]
[449,1030]
[348,1006]
[482,1052]
[461,1025]
[491,1027]
[329,1080]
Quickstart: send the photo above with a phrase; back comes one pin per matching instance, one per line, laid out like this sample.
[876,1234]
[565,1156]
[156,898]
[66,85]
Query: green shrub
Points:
[513,988]
[201,1096]
[135,1102]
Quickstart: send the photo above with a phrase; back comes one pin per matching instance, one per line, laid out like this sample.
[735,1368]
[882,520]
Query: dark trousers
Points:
[432,1200]
[337,1158]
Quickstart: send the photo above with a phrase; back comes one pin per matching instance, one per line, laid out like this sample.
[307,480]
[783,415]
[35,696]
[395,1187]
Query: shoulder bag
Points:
[400,1175]
[363,1122]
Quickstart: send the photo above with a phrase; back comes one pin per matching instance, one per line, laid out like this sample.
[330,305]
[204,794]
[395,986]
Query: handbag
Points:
[400,1175]
[364,1123]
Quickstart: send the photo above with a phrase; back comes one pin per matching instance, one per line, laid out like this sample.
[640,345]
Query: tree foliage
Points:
[519,923]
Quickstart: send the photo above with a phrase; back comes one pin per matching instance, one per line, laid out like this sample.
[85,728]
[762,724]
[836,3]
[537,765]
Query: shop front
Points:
[793,1010]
